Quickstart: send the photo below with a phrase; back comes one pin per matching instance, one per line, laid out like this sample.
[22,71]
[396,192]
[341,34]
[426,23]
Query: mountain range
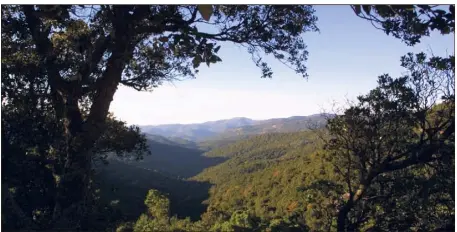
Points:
[236,127]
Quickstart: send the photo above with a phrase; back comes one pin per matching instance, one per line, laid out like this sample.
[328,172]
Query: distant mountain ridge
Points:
[228,128]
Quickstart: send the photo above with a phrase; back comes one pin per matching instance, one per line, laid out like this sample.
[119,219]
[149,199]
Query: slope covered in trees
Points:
[124,187]
[265,175]
[175,159]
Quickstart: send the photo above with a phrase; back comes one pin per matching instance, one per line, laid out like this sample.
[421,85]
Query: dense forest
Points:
[383,163]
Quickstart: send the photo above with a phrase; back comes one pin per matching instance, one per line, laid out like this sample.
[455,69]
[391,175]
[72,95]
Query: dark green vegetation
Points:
[124,187]
[386,163]
[176,159]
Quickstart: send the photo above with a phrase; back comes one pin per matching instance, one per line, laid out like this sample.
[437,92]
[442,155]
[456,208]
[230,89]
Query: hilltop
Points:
[236,127]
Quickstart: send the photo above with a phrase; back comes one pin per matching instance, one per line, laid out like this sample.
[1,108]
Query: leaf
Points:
[445,30]
[163,39]
[196,61]
[215,59]
[357,9]
[206,11]
[217,49]
[367,9]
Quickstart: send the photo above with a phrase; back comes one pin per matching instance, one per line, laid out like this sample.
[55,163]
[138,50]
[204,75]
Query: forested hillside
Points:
[267,176]
[124,187]
[175,158]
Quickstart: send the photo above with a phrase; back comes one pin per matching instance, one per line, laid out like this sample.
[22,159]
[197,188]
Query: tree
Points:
[30,164]
[361,132]
[158,205]
[71,59]
[158,217]
[409,22]
[401,125]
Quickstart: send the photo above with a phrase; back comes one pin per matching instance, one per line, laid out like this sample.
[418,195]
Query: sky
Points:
[345,59]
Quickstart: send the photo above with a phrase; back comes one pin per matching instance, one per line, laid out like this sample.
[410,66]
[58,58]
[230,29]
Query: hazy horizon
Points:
[344,62]
[224,119]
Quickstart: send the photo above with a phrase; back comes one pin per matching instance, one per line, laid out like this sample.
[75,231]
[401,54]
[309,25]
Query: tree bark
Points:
[342,215]
[353,199]
[73,190]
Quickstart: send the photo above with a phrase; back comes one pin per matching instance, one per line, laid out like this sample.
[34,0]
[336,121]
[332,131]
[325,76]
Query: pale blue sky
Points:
[345,59]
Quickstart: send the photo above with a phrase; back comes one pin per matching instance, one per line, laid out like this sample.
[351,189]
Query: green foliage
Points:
[32,166]
[158,205]
[158,217]
[395,132]
[267,175]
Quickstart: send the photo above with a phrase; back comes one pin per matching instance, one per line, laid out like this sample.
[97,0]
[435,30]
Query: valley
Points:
[194,173]
[273,175]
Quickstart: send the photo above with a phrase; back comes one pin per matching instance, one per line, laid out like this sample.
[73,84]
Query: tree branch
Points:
[100,47]
[44,48]
[424,156]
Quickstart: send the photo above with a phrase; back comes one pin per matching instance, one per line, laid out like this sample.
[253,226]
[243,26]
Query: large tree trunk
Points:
[74,193]
[80,135]
[342,223]
[71,196]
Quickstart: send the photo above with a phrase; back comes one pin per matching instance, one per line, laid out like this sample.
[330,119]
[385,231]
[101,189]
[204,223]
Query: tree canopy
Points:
[402,124]
[409,22]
